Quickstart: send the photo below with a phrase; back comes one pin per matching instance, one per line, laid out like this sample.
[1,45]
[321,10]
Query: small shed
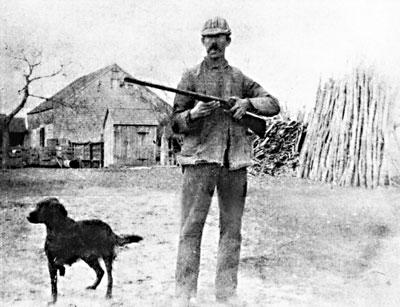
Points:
[130,137]
[18,131]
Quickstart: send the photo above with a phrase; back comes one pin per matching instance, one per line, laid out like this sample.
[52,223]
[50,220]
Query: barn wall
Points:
[80,118]
[34,134]
[40,119]
[108,136]
[134,145]
[84,121]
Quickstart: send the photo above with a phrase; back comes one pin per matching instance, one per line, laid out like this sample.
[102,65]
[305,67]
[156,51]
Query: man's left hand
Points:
[240,107]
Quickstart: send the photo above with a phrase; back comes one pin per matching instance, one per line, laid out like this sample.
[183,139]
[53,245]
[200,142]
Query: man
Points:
[215,153]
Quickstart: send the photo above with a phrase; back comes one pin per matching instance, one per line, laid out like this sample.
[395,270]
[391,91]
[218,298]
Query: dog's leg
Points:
[108,262]
[53,281]
[61,270]
[95,265]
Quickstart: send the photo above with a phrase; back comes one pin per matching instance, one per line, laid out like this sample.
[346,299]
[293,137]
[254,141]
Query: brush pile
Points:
[348,132]
[278,151]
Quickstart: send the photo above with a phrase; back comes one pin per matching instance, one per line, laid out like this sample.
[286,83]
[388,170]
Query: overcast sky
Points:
[286,46]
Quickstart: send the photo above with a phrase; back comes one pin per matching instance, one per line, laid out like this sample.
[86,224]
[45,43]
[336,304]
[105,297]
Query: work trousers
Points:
[199,182]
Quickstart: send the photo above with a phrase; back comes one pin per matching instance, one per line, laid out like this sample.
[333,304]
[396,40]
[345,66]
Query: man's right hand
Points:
[203,109]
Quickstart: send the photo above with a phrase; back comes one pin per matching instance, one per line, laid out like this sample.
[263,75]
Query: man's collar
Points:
[221,63]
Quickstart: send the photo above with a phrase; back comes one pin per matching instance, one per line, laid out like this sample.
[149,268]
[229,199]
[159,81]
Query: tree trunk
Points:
[6,142]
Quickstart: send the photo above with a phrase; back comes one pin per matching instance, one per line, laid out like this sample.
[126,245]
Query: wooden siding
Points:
[84,121]
[108,137]
[37,120]
[34,135]
[134,145]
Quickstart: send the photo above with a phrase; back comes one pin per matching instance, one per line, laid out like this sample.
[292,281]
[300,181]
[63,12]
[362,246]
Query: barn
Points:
[18,131]
[76,114]
[130,137]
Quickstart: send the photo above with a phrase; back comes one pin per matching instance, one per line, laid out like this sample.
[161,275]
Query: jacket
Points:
[218,138]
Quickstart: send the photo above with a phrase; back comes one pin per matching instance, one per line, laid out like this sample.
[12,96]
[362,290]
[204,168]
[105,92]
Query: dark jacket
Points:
[217,138]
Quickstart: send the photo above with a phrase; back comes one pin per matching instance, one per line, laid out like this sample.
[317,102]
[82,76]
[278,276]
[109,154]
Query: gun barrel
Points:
[256,123]
[195,95]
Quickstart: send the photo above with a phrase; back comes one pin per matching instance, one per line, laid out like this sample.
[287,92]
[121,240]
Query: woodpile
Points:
[17,157]
[89,154]
[47,156]
[58,153]
[348,131]
[33,157]
[278,151]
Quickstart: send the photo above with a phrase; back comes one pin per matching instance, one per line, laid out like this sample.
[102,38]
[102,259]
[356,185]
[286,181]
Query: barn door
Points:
[133,145]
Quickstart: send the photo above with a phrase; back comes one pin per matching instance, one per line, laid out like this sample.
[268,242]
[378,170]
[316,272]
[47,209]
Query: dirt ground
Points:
[304,243]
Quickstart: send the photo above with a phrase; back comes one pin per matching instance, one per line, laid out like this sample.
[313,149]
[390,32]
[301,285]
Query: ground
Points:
[304,243]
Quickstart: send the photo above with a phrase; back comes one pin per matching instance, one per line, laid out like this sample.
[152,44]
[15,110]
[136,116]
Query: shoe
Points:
[185,301]
[182,301]
[232,301]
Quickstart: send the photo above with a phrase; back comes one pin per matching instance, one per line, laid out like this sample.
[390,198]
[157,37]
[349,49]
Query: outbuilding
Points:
[130,137]
[76,115]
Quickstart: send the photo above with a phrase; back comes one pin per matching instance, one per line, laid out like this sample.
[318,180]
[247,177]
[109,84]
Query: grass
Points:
[312,236]
[304,229]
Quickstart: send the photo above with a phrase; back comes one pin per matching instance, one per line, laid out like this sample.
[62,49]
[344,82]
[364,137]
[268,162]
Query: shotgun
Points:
[255,123]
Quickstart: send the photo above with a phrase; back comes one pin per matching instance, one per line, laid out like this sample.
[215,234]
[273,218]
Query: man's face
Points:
[215,45]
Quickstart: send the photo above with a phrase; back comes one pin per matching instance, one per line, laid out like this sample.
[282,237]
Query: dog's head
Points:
[48,211]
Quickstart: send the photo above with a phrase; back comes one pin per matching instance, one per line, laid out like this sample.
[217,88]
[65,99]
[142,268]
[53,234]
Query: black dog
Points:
[67,241]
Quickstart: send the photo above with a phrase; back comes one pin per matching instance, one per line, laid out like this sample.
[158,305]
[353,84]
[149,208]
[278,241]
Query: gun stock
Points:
[250,120]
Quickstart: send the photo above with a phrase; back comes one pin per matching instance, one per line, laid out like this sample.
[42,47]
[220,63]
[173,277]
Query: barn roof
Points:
[130,116]
[73,88]
[17,124]
[161,106]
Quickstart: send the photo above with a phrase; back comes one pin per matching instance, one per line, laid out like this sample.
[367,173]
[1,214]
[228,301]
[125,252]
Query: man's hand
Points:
[203,109]
[240,107]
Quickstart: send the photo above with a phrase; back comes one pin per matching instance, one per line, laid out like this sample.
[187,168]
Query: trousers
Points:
[199,183]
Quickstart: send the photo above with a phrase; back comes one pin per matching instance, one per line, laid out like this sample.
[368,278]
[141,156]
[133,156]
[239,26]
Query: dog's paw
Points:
[61,270]
[91,288]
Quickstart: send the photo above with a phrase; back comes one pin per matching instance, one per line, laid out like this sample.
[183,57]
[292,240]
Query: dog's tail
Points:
[126,239]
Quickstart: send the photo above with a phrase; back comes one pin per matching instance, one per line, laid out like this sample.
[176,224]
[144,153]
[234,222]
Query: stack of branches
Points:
[347,133]
[278,151]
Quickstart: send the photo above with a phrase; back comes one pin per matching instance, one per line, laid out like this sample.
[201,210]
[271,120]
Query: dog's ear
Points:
[52,211]
[47,202]
[51,201]
[62,209]
[55,204]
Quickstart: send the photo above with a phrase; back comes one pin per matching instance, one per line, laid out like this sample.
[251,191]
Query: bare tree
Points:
[29,62]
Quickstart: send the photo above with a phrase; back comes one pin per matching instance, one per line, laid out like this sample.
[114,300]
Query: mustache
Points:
[213,47]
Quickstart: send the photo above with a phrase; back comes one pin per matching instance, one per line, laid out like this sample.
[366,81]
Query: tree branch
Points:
[31,62]
[22,89]
[48,76]
[40,97]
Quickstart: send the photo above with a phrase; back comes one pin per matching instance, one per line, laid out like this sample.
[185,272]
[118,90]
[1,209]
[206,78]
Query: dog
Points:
[68,241]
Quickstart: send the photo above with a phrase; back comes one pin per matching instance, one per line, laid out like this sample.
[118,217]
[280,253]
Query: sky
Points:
[287,46]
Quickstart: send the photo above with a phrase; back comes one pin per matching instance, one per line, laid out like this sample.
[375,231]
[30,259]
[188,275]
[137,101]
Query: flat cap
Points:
[215,26]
